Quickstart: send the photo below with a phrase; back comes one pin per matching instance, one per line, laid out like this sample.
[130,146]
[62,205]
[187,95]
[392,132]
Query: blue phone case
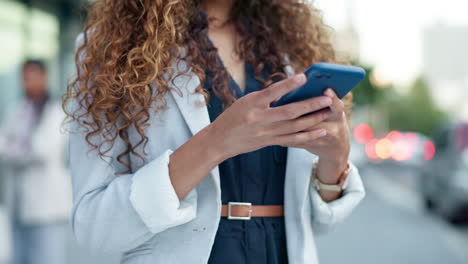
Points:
[320,76]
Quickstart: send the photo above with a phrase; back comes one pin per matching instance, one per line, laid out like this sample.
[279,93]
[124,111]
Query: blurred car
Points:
[444,180]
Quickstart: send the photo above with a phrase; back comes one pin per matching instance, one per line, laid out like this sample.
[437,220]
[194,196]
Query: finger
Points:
[299,124]
[315,144]
[337,106]
[300,137]
[276,90]
[301,146]
[297,109]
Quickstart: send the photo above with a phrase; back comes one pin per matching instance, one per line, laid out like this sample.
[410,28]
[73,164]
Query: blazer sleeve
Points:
[326,216]
[115,213]
[118,212]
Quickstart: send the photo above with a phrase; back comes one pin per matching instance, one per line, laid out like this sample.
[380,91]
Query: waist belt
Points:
[244,211]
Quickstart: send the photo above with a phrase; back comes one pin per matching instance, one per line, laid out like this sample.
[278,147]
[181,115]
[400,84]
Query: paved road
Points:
[389,226]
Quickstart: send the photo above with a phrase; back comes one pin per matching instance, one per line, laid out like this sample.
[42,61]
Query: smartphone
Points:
[320,76]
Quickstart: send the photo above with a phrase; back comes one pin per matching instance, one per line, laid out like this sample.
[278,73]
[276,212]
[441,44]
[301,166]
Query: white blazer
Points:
[45,185]
[139,214]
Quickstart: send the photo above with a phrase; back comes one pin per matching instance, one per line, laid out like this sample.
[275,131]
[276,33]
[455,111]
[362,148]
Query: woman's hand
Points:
[250,123]
[335,146]
[332,149]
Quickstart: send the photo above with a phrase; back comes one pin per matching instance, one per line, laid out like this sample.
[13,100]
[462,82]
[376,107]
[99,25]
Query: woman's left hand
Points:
[333,148]
[335,145]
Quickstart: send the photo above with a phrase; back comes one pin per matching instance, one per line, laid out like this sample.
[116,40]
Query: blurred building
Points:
[43,29]
[445,65]
[347,39]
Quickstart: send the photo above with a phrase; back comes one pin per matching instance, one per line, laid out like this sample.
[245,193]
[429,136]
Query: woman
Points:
[37,189]
[171,123]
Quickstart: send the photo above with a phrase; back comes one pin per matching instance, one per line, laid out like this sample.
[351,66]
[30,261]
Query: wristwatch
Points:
[342,181]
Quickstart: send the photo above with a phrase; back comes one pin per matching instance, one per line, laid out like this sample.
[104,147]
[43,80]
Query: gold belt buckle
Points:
[229,216]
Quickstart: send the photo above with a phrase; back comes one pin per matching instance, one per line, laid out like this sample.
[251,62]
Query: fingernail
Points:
[325,101]
[299,78]
[329,92]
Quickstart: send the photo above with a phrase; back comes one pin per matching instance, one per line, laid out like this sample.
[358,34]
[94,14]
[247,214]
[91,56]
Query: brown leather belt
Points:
[244,211]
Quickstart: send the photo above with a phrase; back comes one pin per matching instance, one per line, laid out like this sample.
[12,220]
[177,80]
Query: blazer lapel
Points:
[191,104]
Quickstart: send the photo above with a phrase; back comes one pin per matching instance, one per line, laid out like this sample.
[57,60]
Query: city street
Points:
[390,226]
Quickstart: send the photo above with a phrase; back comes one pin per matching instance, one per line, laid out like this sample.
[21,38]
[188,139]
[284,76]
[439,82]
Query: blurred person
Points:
[37,188]
[155,170]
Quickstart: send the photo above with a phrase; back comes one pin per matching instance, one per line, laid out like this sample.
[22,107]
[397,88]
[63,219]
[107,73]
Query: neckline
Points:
[236,86]
[247,67]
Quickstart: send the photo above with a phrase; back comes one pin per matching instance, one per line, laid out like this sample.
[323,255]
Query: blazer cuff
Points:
[154,198]
[327,215]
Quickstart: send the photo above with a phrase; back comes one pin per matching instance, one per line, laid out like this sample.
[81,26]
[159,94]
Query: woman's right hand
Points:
[250,123]
[247,125]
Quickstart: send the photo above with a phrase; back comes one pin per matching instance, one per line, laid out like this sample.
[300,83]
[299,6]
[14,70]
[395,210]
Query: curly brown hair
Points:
[129,44]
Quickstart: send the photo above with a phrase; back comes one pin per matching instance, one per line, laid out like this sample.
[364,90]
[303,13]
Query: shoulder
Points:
[53,108]
[80,38]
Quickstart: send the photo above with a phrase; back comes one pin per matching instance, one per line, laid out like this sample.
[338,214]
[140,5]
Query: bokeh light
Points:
[363,133]
[429,150]
[401,151]
[384,148]
[394,136]
[412,139]
[370,149]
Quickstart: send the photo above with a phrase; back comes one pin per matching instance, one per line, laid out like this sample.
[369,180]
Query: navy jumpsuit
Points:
[256,177]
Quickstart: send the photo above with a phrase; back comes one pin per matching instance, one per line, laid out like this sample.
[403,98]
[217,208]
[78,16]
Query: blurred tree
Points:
[366,92]
[389,110]
[416,111]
